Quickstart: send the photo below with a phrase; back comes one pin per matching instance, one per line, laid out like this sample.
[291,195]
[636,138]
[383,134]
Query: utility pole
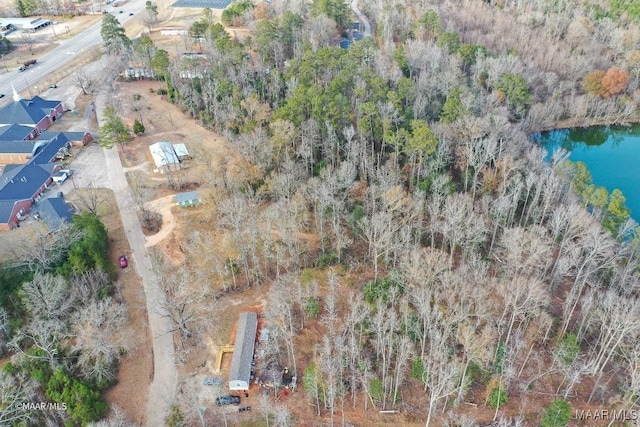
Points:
[28,87]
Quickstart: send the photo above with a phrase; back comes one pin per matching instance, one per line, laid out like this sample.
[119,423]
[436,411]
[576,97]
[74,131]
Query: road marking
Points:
[71,53]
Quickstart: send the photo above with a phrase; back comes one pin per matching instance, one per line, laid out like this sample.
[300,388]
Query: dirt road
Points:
[162,390]
[366,31]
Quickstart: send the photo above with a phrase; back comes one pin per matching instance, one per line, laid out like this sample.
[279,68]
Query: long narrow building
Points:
[240,373]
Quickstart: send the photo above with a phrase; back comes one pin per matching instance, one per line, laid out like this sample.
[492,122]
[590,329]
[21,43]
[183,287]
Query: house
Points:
[164,156]
[190,198]
[20,187]
[240,373]
[36,113]
[54,212]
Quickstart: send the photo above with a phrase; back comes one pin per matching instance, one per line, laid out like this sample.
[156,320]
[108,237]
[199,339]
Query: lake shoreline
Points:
[565,124]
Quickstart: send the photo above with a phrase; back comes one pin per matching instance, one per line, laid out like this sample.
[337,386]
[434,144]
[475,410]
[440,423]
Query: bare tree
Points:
[440,377]
[100,338]
[90,286]
[4,329]
[238,213]
[43,335]
[280,311]
[616,320]
[84,81]
[43,248]
[47,297]
[16,390]
[117,418]
[89,198]
[182,304]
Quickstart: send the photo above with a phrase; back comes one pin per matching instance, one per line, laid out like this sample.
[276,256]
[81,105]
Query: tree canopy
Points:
[113,35]
[113,131]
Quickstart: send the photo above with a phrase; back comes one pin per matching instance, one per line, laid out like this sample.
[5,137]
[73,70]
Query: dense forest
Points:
[393,201]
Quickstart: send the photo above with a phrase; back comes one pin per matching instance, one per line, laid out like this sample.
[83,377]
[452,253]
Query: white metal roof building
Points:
[240,373]
[25,24]
[164,156]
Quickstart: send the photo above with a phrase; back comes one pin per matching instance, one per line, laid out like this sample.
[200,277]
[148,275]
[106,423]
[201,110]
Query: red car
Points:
[123,261]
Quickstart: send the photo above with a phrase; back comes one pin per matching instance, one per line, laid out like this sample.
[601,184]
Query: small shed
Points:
[190,198]
[181,151]
[240,373]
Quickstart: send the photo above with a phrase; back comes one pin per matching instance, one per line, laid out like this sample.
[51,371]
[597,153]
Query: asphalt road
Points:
[63,53]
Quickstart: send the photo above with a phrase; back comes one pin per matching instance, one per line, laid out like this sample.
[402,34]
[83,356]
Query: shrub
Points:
[567,349]
[311,307]
[328,259]
[375,390]
[175,417]
[138,127]
[380,289]
[311,381]
[498,398]
[558,414]
[417,369]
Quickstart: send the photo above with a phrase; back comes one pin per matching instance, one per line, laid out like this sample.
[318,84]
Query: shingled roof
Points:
[21,183]
[54,211]
[14,132]
[27,111]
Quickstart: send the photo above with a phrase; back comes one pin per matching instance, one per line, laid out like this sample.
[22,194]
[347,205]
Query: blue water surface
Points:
[612,154]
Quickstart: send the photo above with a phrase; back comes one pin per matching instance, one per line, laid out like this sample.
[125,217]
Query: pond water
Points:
[612,154]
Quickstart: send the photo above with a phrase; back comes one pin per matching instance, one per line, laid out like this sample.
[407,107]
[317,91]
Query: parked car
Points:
[228,400]
[244,409]
[123,261]
[212,381]
[53,86]
[130,13]
[1,95]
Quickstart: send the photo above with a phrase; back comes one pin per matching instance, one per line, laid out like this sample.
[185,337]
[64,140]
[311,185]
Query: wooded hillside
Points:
[394,204]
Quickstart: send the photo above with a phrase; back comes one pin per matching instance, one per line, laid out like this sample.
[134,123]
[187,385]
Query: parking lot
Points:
[89,169]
